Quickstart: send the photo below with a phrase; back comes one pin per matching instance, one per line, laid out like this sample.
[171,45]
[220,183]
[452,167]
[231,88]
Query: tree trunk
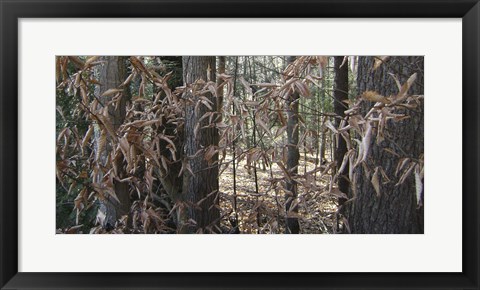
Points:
[174,65]
[293,156]
[221,70]
[322,128]
[340,94]
[394,211]
[112,73]
[200,177]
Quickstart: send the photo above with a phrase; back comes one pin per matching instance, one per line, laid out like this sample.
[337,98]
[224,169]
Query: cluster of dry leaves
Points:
[148,144]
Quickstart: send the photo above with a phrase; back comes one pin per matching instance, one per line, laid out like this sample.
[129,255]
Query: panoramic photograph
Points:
[260,144]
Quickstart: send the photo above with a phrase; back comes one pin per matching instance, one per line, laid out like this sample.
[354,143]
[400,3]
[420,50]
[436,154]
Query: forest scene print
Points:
[239,144]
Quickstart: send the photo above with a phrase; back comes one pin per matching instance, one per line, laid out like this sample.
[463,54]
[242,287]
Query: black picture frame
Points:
[11,11]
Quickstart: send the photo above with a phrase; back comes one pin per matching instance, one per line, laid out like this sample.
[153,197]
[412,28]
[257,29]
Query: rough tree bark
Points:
[395,210]
[340,94]
[293,156]
[221,70]
[111,75]
[200,189]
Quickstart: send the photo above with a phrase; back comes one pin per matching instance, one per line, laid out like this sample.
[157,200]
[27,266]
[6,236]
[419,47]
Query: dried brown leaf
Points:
[110,92]
[373,96]
[418,184]
[376,181]
[87,136]
[379,60]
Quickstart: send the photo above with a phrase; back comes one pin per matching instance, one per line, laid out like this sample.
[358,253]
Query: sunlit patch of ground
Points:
[264,212]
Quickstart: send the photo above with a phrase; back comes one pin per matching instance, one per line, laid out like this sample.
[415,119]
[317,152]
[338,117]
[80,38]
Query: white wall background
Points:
[438,39]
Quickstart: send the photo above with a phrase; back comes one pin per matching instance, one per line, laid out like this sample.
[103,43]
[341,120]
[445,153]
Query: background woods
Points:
[239,144]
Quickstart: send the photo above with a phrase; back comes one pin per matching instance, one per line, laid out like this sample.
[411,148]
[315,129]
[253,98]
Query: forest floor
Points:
[263,211]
